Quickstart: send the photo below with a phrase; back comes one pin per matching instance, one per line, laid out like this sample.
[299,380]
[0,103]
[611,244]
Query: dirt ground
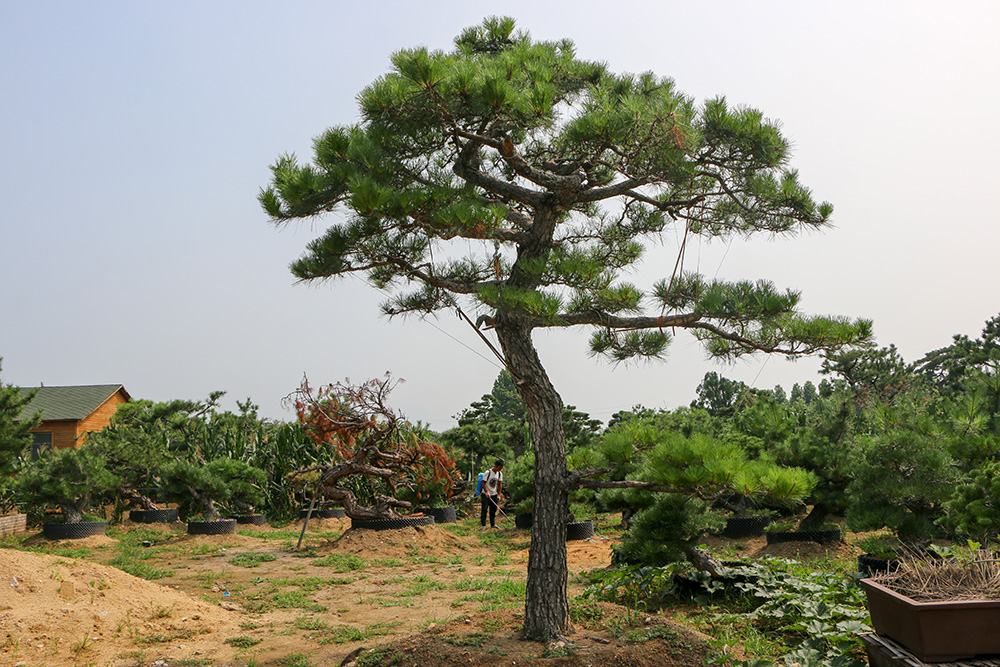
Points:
[409,593]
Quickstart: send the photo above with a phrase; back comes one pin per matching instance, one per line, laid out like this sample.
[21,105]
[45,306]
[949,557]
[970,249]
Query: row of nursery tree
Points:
[346,446]
[912,447]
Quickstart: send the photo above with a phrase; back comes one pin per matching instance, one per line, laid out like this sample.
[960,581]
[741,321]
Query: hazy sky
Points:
[134,137]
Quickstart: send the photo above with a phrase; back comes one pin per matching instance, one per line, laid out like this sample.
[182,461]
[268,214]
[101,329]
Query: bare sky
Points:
[134,137]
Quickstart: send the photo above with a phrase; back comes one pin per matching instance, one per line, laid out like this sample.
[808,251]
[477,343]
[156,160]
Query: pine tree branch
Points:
[467,167]
[544,178]
[629,484]
[603,319]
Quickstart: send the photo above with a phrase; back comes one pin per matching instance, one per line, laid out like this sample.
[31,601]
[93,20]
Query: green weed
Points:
[341,562]
[242,641]
[252,559]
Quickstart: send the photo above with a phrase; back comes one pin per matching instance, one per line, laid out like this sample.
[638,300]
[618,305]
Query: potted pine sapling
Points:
[903,478]
[73,481]
[622,450]
[371,460]
[135,447]
[819,439]
[879,553]
[693,473]
[199,491]
[972,511]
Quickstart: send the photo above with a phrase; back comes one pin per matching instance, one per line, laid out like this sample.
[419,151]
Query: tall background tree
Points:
[510,176]
[15,429]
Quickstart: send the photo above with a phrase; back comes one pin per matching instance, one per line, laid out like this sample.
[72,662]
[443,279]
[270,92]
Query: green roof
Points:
[57,403]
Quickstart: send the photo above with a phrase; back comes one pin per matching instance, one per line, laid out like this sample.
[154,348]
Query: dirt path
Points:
[344,589]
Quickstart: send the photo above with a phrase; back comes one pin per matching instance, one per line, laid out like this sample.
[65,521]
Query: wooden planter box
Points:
[935,631]
[12,524]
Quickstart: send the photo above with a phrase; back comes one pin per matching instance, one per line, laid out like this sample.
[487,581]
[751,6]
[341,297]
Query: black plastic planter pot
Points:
[745,526]
[252,519]
[392,524]
[820,536]
[579,530]
[869,565]
[524,520]
[223,527]
[73,531]
[153,516]
[335,513]
[444,514]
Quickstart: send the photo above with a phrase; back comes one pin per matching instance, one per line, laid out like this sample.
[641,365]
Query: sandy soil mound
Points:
[398,543]
[56,611]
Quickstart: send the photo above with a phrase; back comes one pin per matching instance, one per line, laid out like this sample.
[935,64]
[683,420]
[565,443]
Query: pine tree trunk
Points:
[546,606]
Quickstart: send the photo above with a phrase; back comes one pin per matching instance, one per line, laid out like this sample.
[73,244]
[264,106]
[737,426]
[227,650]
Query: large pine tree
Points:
[513,176]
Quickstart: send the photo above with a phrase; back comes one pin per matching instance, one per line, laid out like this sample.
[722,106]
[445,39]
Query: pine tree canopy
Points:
[528,180]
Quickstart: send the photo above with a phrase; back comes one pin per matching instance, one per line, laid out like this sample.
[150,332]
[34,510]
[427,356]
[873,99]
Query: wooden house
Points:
[69,413]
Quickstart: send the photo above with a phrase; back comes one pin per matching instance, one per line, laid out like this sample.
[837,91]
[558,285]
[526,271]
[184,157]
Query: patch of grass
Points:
[473,639]
[251,559]
[494,594]
[588,614]
[66,552]
[501,556]
[295,600]
[739,630]
[242,641]
[557,651]
[296,660]
[157,611]
[503,573]
[341,562]
[386,602]
[139,569]
[138,535]
[646,634]
[345,635]
[420,587]
[388,562]
[426,559]
[309,623]
[209,578]
[380,657]
[311,584]
[308,553]
[461,529]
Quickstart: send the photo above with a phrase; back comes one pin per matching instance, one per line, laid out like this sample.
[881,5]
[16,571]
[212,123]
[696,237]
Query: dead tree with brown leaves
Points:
[373,451]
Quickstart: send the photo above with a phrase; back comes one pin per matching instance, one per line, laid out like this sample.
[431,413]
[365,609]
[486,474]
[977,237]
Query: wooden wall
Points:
[101,417]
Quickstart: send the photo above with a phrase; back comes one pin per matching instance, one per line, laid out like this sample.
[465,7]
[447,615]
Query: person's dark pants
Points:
[487,502]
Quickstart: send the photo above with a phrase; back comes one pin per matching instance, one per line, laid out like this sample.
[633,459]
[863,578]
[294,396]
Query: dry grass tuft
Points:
[974,576]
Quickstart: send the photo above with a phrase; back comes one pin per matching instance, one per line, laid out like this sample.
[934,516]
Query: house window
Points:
[41,443]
